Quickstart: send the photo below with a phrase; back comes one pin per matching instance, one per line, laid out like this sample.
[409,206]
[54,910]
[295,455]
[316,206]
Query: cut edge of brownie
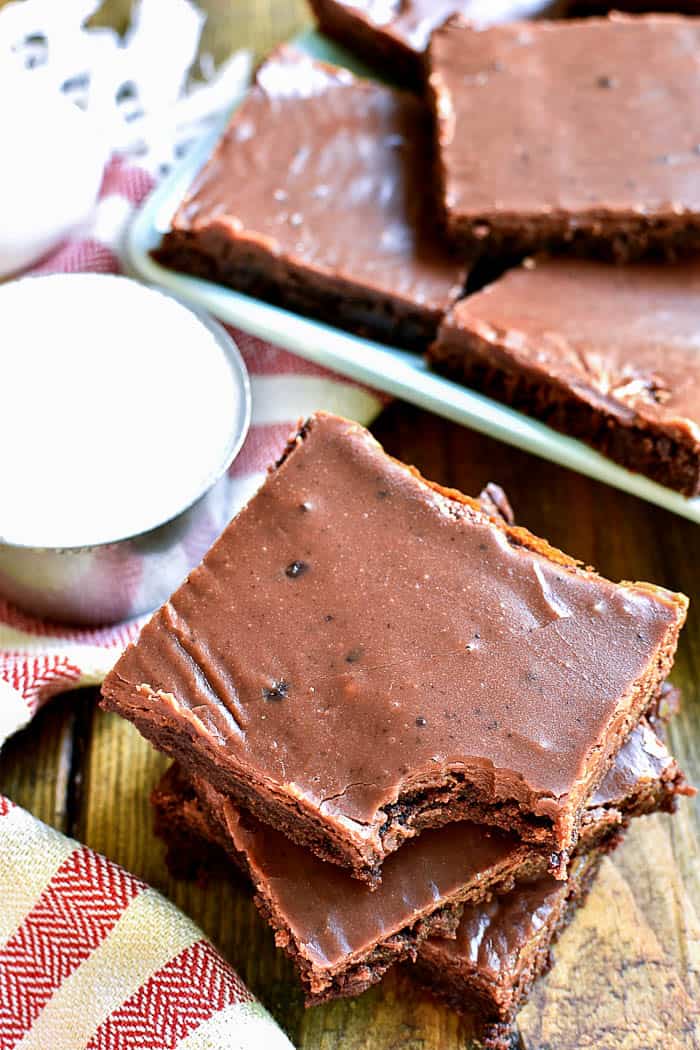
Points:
[362,849]
[457,982]
[245,267]
[655,450]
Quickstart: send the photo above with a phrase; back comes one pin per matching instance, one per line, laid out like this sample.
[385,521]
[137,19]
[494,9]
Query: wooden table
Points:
[627,975]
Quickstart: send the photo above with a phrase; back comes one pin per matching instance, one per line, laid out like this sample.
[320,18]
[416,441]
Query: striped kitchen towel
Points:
[38,659]
[92,959]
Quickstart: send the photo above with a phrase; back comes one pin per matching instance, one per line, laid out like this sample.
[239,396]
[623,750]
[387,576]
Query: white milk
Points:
[117,409]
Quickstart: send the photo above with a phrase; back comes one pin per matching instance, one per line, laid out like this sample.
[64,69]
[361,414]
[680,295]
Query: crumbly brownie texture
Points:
[352,603]
[605,354]
[315,199]
[582,134]
[342,936]
[394,36]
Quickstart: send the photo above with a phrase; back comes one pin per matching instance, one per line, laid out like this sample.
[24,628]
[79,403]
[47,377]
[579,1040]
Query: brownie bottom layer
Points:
[630,238]
[388,320]
[654,454]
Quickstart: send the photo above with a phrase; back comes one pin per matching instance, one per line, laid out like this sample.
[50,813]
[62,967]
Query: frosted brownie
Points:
[503,945]
[363,654]
[315,199]
[606,354]
[343,937]
[394,36]
[582,133]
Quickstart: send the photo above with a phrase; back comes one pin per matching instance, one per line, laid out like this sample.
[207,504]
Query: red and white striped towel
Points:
[92,959]
[89,956]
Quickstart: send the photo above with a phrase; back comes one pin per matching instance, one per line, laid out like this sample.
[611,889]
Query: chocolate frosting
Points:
[596,116]
[624,338]
[328,172]
[356,633]
[333,916]
[493,937]
[643,761]
[413,21]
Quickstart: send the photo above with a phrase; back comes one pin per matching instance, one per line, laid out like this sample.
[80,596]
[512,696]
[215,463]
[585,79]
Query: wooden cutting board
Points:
[627,975]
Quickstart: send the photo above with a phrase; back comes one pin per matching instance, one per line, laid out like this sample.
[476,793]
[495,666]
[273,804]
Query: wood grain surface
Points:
[627,975]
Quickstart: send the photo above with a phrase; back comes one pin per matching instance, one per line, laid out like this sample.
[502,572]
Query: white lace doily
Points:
[146,92]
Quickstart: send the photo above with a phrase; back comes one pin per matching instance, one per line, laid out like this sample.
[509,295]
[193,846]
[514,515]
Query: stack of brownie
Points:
[556,160]
[414,725]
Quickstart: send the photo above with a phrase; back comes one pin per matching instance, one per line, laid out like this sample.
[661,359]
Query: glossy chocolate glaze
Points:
[644,762]
[625,339]
[356,634]
[334,920]
[496,939]
[503,944]
[412,21]
[328,173]
[596,117]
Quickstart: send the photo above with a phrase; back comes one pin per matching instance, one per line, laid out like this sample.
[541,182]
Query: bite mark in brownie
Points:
[576,134]
[394,37]
[343,937]
[605,354]
[502,946]
[423,663]
[315,200]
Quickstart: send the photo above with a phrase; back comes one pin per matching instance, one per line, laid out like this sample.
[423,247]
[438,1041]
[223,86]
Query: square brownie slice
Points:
[582,133]
[342,936]
[315,199]
[363,655]
[394,36]
[605,354]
